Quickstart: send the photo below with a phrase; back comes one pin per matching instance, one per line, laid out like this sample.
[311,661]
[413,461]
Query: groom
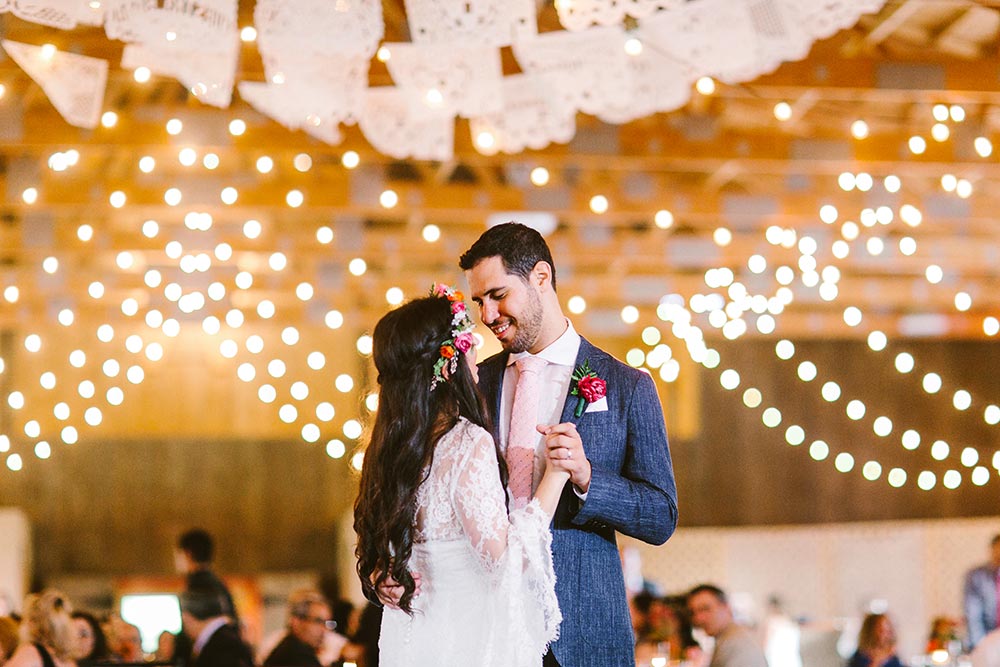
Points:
[614,446]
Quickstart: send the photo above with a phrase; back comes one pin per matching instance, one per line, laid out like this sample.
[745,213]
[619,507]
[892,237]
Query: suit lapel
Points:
[495,367]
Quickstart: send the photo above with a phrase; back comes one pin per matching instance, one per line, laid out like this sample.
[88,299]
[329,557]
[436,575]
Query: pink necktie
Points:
[522,437]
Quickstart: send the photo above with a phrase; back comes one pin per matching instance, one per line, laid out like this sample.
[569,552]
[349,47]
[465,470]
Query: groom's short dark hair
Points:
[518,246]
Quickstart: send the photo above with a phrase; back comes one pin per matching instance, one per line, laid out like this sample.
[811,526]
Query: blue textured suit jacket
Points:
[980,602]
[632,491]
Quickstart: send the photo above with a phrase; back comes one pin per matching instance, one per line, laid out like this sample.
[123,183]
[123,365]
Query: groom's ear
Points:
[541,274]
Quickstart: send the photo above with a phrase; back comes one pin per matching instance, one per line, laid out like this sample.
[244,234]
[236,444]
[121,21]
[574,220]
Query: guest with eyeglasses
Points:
[310,622]
[47,633]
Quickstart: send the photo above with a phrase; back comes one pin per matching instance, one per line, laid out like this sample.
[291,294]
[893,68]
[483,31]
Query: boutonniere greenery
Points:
[587,386]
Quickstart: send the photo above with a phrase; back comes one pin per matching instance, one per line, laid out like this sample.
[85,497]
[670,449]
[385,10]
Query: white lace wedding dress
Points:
[487,584]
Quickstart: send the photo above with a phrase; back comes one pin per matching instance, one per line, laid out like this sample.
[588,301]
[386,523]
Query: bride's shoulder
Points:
[473,430]
[466,434]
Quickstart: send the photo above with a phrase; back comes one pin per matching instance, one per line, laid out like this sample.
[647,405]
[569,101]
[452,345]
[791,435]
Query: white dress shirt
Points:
[206,634]
[556,377]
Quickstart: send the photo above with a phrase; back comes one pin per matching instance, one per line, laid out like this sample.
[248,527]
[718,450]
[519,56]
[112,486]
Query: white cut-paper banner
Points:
[390,126]
[287,106]
[579,15]
[461,79]
[493,23]
[62,14]
[74,84]
[306,28]
[210,79]
[530,117]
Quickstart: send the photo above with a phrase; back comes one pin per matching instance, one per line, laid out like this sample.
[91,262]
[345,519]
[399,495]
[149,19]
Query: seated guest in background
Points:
[876,644]
[667,629]
[309,619]
[333,645]
[8,638]
[124,641]
[735,646]
[980,595]
[987,651]
[91,646]
[944,631]
[638,606]
[46,632]
[216,641]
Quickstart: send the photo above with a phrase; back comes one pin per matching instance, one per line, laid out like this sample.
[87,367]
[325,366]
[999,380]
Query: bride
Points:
[432,501]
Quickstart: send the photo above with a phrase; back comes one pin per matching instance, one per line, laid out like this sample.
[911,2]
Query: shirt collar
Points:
[207,632]
[562,351]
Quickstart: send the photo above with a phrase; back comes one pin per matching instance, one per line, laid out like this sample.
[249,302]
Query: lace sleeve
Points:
[480,500]
[515,551]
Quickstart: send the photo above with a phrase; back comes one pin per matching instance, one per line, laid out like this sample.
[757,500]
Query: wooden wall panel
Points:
[117,505]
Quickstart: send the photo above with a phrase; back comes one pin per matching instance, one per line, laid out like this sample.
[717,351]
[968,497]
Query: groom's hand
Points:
[564,449]
[390,590]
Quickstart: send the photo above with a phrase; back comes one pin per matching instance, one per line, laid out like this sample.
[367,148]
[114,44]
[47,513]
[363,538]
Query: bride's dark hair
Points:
[411,418]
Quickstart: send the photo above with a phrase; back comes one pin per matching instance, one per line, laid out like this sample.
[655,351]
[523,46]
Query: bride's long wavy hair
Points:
[411,418]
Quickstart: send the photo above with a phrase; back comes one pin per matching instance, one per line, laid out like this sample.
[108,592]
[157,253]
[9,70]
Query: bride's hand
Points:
[555,471]
[390,590]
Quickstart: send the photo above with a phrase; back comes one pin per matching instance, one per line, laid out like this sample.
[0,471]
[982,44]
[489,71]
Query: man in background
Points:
[981,598]
[735,646]
[310,624]
[193,558]
[216,641]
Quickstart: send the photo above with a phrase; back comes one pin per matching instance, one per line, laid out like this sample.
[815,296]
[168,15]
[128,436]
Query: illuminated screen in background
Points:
[152,614]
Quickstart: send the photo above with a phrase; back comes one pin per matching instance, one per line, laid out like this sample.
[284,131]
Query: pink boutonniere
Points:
[587,386]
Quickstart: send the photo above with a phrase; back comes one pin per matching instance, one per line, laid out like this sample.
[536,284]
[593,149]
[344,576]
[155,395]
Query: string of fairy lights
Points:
[725,312]
[103,380]
[192,284]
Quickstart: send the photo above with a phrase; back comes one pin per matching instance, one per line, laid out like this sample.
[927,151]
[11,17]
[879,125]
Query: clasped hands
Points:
[564,451]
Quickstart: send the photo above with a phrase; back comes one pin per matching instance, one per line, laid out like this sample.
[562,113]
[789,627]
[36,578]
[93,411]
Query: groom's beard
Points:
[528,327]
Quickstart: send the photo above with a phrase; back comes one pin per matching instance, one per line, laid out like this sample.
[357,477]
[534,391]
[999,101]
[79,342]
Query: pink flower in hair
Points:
[465,341]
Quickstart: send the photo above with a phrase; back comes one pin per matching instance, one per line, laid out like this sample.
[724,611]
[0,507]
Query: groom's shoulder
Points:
[608,361]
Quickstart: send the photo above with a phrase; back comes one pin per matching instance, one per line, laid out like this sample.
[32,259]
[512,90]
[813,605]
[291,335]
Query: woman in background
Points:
[91,646]
[876,644]
[47,637]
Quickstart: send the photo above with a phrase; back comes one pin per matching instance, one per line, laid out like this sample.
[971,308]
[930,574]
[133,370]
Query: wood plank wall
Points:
[117,506]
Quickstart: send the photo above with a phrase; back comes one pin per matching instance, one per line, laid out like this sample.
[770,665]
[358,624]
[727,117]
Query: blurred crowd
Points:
[50,632]
[698,629]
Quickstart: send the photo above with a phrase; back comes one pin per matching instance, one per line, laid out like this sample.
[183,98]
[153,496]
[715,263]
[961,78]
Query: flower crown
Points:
[461,339]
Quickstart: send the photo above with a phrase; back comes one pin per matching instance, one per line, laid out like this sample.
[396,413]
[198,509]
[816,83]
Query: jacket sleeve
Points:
[640,500]
[972,603]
